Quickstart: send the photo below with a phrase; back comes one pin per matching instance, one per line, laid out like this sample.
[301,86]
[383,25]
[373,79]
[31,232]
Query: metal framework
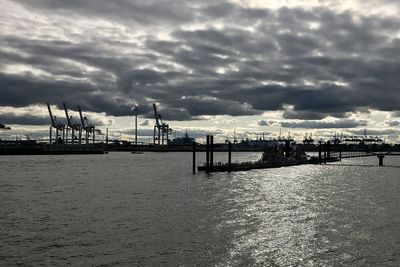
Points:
[161,129]
[73,126]
[57,126]
[88,127]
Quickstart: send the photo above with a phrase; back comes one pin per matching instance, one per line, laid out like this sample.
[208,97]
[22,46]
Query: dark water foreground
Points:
[126,209]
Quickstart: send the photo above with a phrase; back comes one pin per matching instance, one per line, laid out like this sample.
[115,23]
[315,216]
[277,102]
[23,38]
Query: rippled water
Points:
[148,209]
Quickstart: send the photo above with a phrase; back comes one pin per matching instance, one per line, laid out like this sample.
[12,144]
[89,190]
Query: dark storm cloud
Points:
[255,60]
[303,115]
[20,91]
[344,123]
[142,12]
[23,119]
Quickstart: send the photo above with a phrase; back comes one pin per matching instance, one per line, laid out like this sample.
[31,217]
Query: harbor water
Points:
[123,209]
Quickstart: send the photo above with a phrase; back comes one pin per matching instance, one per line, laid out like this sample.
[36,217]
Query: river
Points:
[123,209]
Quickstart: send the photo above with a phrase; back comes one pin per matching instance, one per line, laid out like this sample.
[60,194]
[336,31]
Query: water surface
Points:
[148,209]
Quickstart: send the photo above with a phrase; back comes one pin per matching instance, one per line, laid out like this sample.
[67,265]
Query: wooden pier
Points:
[325,155]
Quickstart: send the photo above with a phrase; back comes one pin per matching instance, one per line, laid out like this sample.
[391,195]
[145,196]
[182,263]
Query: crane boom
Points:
[53,123]
[80,115]
[156,115]
[66,114]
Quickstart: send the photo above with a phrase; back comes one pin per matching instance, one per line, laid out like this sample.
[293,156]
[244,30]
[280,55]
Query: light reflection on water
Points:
[124,209]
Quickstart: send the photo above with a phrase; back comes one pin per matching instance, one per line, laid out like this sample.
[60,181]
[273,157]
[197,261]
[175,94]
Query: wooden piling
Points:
[229,156]
[319,152]
[328,149]
[380,157]
[208,152]
[211,152]
[194,158]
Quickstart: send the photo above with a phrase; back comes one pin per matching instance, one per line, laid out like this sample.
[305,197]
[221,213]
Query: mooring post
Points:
[194,157]
[211,152]
[325,152]
[380,157]
[287,149]
[208,152]
[320,152]
[328,144]
[229,156]
[106,136]
[340,152]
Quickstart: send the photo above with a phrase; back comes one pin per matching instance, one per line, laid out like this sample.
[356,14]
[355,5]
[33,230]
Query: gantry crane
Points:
[165,130]
[58,126]
[74,126]
[88,127]
[161,128]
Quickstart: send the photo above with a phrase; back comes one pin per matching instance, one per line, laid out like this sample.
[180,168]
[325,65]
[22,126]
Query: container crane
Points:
[157,126]
[58,126]
[88,127]
[73,125]
[166,131]
[161,128]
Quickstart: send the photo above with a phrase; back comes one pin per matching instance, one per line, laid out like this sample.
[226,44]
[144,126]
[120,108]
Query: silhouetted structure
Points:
[161,129]
[57,126]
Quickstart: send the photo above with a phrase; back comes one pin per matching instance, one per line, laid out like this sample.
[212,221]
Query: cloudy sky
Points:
[316,66]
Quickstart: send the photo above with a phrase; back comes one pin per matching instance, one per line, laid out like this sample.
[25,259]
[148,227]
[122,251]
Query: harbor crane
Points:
[161,128]
[74,126]
[57,125]
[88,127]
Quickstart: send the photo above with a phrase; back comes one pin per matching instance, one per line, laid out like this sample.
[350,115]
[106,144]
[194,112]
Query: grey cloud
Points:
[344,123]
[376,132]
[268,123]
[197,106]
[393,123]
[145,122]
[145,13]
[31,119]
[263,123]
[27,119]
[303,115]
[281,61]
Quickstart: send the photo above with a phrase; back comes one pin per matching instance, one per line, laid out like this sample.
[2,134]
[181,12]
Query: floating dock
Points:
[246,166]
[273,157]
